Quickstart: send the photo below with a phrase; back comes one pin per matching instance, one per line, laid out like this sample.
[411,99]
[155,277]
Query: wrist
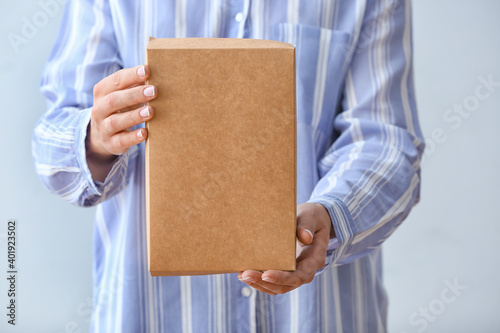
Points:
[94,154]
[98,158]
[99,164]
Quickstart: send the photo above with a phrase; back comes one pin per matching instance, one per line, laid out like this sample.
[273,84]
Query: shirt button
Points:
[246,291]
[239,17]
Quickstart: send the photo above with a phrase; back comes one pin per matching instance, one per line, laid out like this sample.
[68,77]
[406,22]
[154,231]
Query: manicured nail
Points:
[249,279]
[141,71]
[144,112]
[310,233]
[268,279]
[149,91]
[139,134]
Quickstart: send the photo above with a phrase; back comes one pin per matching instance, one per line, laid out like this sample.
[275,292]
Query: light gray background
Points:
[450,236]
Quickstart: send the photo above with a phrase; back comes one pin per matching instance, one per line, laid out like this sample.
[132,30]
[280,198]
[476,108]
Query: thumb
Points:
[306,228]
[305,236]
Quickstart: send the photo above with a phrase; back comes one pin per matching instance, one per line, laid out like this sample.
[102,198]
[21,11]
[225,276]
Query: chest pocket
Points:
[321,60]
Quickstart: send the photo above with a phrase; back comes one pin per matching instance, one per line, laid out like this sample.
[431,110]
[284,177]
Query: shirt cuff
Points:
[94,187]
[342,225]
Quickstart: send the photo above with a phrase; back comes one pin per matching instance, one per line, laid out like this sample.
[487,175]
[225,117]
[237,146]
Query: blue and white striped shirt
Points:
[359,149]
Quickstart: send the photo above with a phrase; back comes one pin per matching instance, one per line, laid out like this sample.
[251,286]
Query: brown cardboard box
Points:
[220,156]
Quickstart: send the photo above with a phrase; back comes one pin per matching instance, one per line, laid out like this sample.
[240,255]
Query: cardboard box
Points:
[220,156]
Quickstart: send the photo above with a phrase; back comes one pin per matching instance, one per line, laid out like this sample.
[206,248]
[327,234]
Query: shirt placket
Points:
[246,298]
[236,15]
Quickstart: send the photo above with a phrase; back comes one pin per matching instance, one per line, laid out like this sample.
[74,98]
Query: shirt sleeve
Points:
[370,176]
[85,52]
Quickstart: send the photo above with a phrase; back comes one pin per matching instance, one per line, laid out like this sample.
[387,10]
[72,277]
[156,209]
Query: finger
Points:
[283,278]
[130,108]
[122,79]
[121,142]
[306,224]
[309,218]
[309,262]
[119,122]
[262,289]
[122,99]
[249,276]
[273,287]
[304,235]
[253,279]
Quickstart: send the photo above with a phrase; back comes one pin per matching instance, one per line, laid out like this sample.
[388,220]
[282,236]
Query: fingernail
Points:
[249,279]
[310,233]
[141,71]
[149,91]
[139,134]
[144,112]
[268,279]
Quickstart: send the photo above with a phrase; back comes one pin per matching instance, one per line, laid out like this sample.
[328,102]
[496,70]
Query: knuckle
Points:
[109,100]
[111,125]
[98,87]
[115,144]
[95,112]
[116,79]
[122,142]
[106,144]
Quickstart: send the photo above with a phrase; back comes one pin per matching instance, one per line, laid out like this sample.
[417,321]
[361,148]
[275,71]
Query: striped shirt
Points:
[358,153]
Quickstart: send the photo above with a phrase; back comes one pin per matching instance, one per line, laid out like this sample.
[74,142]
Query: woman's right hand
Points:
[118,105]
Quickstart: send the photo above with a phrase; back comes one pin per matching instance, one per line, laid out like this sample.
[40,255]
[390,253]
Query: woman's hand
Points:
[118,105]
[313,234]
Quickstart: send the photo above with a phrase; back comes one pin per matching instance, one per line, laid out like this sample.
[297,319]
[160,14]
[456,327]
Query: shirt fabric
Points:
[358,152]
